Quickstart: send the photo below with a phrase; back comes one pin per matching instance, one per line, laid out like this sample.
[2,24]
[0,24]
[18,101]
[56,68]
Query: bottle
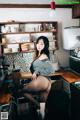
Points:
[4,40]
[54,61]
[42,27]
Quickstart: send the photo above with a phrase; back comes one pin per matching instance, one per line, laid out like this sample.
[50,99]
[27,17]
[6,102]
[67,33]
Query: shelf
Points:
[29,51]
[16,43]
[20,52]
[48,31]
[26,22]
[25,31]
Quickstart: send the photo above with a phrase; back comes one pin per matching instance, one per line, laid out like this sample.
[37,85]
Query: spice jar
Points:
[4,40]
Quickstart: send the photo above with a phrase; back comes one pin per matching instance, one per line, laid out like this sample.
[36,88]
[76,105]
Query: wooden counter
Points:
[25,75]
[70,77]
[67,75]
[28,74]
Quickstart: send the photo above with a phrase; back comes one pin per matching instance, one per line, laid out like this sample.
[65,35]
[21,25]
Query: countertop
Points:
[67,75]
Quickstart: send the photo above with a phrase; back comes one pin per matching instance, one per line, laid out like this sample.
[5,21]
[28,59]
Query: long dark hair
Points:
[44,51]
[46,46]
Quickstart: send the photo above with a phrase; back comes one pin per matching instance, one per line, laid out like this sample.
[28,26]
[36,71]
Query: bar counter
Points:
[67,75]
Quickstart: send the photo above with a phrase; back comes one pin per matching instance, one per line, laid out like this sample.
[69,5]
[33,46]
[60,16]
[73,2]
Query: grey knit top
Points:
[42,67]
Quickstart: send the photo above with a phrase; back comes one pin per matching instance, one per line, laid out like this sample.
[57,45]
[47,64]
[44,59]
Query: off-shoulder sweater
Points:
[42,67]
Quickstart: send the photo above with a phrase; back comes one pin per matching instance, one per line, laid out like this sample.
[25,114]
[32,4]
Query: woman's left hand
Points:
[34,76]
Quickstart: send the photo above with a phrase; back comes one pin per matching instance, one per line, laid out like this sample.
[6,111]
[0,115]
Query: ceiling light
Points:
[52,8]
[52,5]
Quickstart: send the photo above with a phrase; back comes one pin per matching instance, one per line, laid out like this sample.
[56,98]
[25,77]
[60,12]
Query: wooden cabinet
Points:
[21,36]
[75,101]
[76,11]
[75,64]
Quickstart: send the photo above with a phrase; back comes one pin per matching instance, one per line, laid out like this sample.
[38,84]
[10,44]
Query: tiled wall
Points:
[23,61]
[20,61]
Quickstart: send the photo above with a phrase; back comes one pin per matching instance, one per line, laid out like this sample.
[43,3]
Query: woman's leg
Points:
[44,94]
[41,84]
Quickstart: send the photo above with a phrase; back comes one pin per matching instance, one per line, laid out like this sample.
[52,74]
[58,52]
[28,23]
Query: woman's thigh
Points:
[41,83]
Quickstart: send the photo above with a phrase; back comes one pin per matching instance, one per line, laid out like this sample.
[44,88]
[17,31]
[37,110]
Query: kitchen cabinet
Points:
[68,78]
[76,11]
[75,64]
[73,90]
[75,101]
[21,36]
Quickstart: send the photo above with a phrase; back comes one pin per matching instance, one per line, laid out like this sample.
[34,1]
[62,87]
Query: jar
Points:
[4,40]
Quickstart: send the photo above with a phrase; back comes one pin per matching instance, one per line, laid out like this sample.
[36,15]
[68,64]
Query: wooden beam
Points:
[34,6]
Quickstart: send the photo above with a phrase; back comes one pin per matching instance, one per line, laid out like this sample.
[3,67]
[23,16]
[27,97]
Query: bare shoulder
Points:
[43,56]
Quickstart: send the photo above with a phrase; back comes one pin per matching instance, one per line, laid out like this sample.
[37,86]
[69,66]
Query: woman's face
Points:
[40,45]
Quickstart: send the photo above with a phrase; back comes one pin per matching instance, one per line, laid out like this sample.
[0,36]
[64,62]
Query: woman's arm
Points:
[34,76]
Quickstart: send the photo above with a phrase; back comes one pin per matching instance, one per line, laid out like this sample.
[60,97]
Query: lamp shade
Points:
[71,38]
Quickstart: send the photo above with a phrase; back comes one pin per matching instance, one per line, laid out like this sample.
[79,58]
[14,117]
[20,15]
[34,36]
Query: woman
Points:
[40,68]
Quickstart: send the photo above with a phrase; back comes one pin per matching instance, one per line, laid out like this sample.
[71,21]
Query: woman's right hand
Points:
[34,76]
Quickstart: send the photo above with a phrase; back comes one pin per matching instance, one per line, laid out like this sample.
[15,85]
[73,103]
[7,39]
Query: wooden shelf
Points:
[66,5]
[48,27]
[20,52]
[15,43]
[26,22]
[32,32]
